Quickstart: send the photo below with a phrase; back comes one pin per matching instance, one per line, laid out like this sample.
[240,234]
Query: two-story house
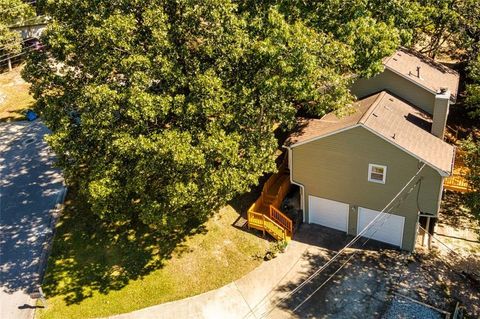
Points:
[350,168]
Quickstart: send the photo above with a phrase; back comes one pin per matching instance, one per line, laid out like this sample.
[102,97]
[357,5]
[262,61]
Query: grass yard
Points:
[14,95]
[94,271]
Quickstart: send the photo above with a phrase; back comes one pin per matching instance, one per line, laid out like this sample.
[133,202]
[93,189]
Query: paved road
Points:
[30,188]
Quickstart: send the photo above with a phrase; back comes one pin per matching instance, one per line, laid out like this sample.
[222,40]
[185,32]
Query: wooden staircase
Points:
[265,214]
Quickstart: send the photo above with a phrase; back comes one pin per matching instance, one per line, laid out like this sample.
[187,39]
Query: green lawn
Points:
[95,271]
[14,95]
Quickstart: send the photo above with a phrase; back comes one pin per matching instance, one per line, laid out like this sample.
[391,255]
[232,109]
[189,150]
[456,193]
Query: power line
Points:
[270,310]
[386,216]
[353,241]
[340,268]
[252,310]
[446,246]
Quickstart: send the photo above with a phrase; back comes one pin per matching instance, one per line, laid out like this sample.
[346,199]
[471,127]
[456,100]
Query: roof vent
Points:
[418,72]
[443,90]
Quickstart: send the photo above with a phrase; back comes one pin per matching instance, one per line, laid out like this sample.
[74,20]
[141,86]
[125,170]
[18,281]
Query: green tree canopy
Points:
[163,111]
[471,147]
[351,22]
[472,99]
[12,11]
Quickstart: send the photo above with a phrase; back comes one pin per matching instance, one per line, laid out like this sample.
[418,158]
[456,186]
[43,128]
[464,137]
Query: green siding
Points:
[336,168]
[387,80]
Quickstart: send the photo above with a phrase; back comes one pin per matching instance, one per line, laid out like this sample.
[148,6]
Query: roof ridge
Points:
[372,108]
[426,59]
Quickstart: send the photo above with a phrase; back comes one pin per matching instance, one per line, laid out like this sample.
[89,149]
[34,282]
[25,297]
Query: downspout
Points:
[302,191]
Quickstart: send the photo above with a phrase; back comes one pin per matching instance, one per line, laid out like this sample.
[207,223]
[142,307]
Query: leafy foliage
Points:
[12,11]
[469,28]
[473,88]
[471,146]
[350,21]
[163,111]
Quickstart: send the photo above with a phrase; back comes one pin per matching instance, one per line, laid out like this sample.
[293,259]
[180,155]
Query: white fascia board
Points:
[441,172]
[322,136]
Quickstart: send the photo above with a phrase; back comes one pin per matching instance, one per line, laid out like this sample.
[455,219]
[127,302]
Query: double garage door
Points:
[387,228]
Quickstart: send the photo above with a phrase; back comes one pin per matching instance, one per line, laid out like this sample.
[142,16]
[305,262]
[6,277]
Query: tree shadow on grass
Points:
[91,256]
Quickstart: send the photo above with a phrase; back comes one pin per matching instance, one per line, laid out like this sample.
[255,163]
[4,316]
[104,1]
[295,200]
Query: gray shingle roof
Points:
[433,75]
[391,118]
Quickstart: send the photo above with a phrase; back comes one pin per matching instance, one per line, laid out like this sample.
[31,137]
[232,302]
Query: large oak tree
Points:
[162,111]
[11,12]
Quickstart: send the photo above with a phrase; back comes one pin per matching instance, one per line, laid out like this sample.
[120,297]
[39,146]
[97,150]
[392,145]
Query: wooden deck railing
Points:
[273,179]
[266,224]
[281,219]
[458,180]
[282,192]
[457,183]
[265,213]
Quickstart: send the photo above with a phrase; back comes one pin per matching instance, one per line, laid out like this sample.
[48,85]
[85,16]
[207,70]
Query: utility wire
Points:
[446,246]
[343,265]
[353,241]
[386,216]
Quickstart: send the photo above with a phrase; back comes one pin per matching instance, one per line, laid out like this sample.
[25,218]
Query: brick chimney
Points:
[440,112]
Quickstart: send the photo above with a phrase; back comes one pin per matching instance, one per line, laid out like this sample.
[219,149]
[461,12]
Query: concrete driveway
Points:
[265,292]
[30,189]
[365,288]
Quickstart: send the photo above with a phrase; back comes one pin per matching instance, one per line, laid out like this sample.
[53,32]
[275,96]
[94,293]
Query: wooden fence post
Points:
[263,225]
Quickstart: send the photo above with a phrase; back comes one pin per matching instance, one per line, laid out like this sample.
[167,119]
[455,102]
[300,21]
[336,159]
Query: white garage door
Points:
[387,228]
[328,213]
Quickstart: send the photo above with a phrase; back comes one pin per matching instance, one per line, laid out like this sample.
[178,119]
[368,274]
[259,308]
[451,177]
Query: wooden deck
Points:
[265,213]
[458,181]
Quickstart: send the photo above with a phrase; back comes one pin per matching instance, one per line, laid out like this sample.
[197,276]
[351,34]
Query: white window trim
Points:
[370,167]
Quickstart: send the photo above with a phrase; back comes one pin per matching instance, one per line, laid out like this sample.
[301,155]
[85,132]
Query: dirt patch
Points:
[366,287]
[429,278]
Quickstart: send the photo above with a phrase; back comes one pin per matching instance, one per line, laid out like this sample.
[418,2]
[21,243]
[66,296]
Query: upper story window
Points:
[377,173]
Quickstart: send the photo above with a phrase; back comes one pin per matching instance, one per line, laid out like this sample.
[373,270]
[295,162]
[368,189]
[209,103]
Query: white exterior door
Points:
[388,228]
[328,213]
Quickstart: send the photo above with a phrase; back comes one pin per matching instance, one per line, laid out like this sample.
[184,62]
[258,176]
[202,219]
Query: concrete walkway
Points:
[30,189]
[248,297]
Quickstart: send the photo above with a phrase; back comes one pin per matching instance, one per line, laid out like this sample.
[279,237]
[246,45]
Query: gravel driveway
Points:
[30,189]
[367,285]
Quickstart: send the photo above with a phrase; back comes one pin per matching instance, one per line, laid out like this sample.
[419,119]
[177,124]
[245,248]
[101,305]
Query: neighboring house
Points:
[31,28]
[349,168]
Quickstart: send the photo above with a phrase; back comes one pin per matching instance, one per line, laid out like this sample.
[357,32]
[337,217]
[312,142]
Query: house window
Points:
[377,173]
